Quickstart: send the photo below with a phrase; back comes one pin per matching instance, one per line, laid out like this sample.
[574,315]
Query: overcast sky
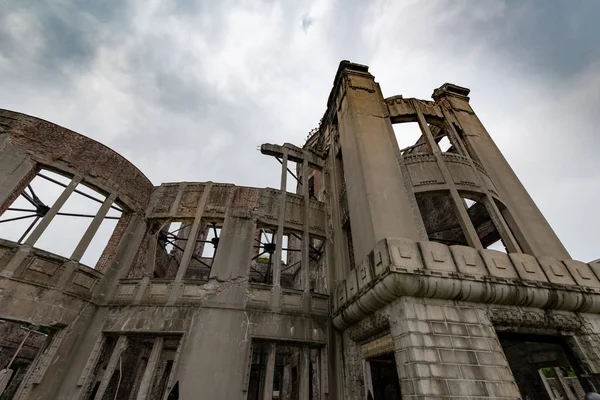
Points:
[187,90]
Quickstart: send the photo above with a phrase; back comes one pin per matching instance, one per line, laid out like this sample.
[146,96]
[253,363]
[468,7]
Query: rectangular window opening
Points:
[34,341]
[409,138]
[286,373]
[207,245]
[170,245]
[122,380]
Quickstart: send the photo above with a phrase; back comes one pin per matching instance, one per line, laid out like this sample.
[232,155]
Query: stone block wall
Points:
[448,350]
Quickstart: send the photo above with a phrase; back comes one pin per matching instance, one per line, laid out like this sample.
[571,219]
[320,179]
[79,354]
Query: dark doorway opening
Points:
[544,366]
[384,377]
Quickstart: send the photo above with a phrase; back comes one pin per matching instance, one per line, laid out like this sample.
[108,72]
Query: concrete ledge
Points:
[400,267]
[258,296]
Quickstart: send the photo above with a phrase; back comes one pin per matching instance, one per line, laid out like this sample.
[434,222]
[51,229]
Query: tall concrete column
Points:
[304,374]
[377,199]
[532,231]
[269,371]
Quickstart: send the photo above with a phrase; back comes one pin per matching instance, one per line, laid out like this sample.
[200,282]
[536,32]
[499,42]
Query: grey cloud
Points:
[187,90]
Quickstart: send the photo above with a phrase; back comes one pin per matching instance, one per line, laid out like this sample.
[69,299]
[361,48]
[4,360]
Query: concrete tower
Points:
[421,272]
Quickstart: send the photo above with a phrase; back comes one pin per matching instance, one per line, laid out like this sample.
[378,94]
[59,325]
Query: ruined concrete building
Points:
[423,272]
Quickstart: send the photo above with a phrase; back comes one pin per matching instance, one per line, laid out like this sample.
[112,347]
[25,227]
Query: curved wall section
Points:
[66,151]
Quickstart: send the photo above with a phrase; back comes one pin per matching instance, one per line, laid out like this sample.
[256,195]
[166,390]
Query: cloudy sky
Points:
[187,90]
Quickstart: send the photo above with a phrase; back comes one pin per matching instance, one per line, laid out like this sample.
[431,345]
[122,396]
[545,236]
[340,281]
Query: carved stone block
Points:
[527,267]
[404,254]
[340,293]
[468,260]
[126,290]
[582,273]
[189,200]
[556,271]
[595,269]
[365,272]
[83,280]
[291,301]
[437,257]
[193,291]
[319,305]
[167,194]
[381,258]
[352,284]
[43,266]
[260,298]
[499,264]
[158,290]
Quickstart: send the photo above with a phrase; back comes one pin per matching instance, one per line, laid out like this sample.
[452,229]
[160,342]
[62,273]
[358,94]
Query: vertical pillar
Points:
[378,202]
[62,199]
[527,223]
[286,384]
[303,374]
[368,379]
[89,234]
[147,379]
[16,170]
[305,260]
[280,221]
[546,385]
[190,246]
[562,384]
[495,214]
[457,203]
[111,366]
[269,371]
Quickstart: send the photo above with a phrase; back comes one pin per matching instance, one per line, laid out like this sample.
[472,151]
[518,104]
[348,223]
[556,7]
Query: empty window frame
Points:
[131,366]
[440,220]
[263,260]
[483,223]
[265,248]
[409,137]
[294,366]
[19,346]
[72,220]
[172,241]
[207,245]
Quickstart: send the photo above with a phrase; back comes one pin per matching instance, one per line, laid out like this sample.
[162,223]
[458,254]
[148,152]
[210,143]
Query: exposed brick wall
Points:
[66,150]
[138,265]
[111,247]
[18,189]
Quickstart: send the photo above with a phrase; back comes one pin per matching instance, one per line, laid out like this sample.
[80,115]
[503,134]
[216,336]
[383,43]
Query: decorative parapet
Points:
[46,270]
[179,201]
[425,173]
[402,110]
[258,296]
[400,267]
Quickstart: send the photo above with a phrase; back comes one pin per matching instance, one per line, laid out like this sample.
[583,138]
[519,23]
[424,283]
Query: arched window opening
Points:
[440,220]
[81,212]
